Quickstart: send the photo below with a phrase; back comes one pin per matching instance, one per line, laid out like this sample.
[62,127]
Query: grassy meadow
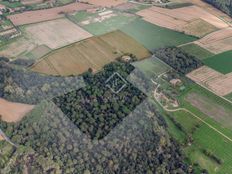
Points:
[153,36]
[220,62]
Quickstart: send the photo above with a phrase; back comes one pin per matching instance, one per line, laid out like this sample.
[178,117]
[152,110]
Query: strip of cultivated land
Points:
[46,14]
[93,53]
[191,20]
[217,82]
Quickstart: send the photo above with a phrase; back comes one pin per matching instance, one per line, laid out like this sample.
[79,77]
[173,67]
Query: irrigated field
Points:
[219,83]
[153,36]
[56,33]
[46,14]
[91,53]
[196,51]
[13,112]
[220,62]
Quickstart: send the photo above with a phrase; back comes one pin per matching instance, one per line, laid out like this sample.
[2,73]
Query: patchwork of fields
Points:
[153,36]
[105,3]
[192,20]
[65,33]
[91,53]
[36,16]
[218,41]
[219,83]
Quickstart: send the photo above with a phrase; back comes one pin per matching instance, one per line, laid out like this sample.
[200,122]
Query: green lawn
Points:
[154,37]
[197,51]
[220,62]
[151,67]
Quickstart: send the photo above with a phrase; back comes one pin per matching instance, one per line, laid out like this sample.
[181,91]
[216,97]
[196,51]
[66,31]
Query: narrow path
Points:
[6,138]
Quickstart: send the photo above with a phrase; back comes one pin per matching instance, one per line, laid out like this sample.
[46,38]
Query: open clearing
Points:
[192,19]
[65,33]
[220,62]
[153,36]
[196,51]
[218,41]
[151,67]
[13,112]
[46,14]
[105,3]
[91,53]
[219,83]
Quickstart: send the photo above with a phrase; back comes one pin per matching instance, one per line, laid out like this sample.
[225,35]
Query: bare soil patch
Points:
[13,112]
[219,83]
[46,14]
[65,33]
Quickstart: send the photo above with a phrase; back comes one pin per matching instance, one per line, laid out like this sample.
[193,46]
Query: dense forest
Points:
[223,5]
[139,144]
[103,132]
[178,60]
[20,85]
[96,109]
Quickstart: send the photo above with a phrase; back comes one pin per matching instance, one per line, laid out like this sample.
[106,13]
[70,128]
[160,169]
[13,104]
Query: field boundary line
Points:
[213,92]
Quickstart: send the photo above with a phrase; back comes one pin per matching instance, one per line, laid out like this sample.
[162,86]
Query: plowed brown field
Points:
[46,14]
[219,83]
[13,112]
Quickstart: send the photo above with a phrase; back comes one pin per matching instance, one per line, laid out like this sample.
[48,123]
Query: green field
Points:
[11,4]
[220,62]
[154,37]
[203,138]
[229,96]
[196,51]
[151,67]
[80,16]
[111,24]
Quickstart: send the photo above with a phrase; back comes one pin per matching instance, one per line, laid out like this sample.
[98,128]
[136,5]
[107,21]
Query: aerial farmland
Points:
[115,86]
